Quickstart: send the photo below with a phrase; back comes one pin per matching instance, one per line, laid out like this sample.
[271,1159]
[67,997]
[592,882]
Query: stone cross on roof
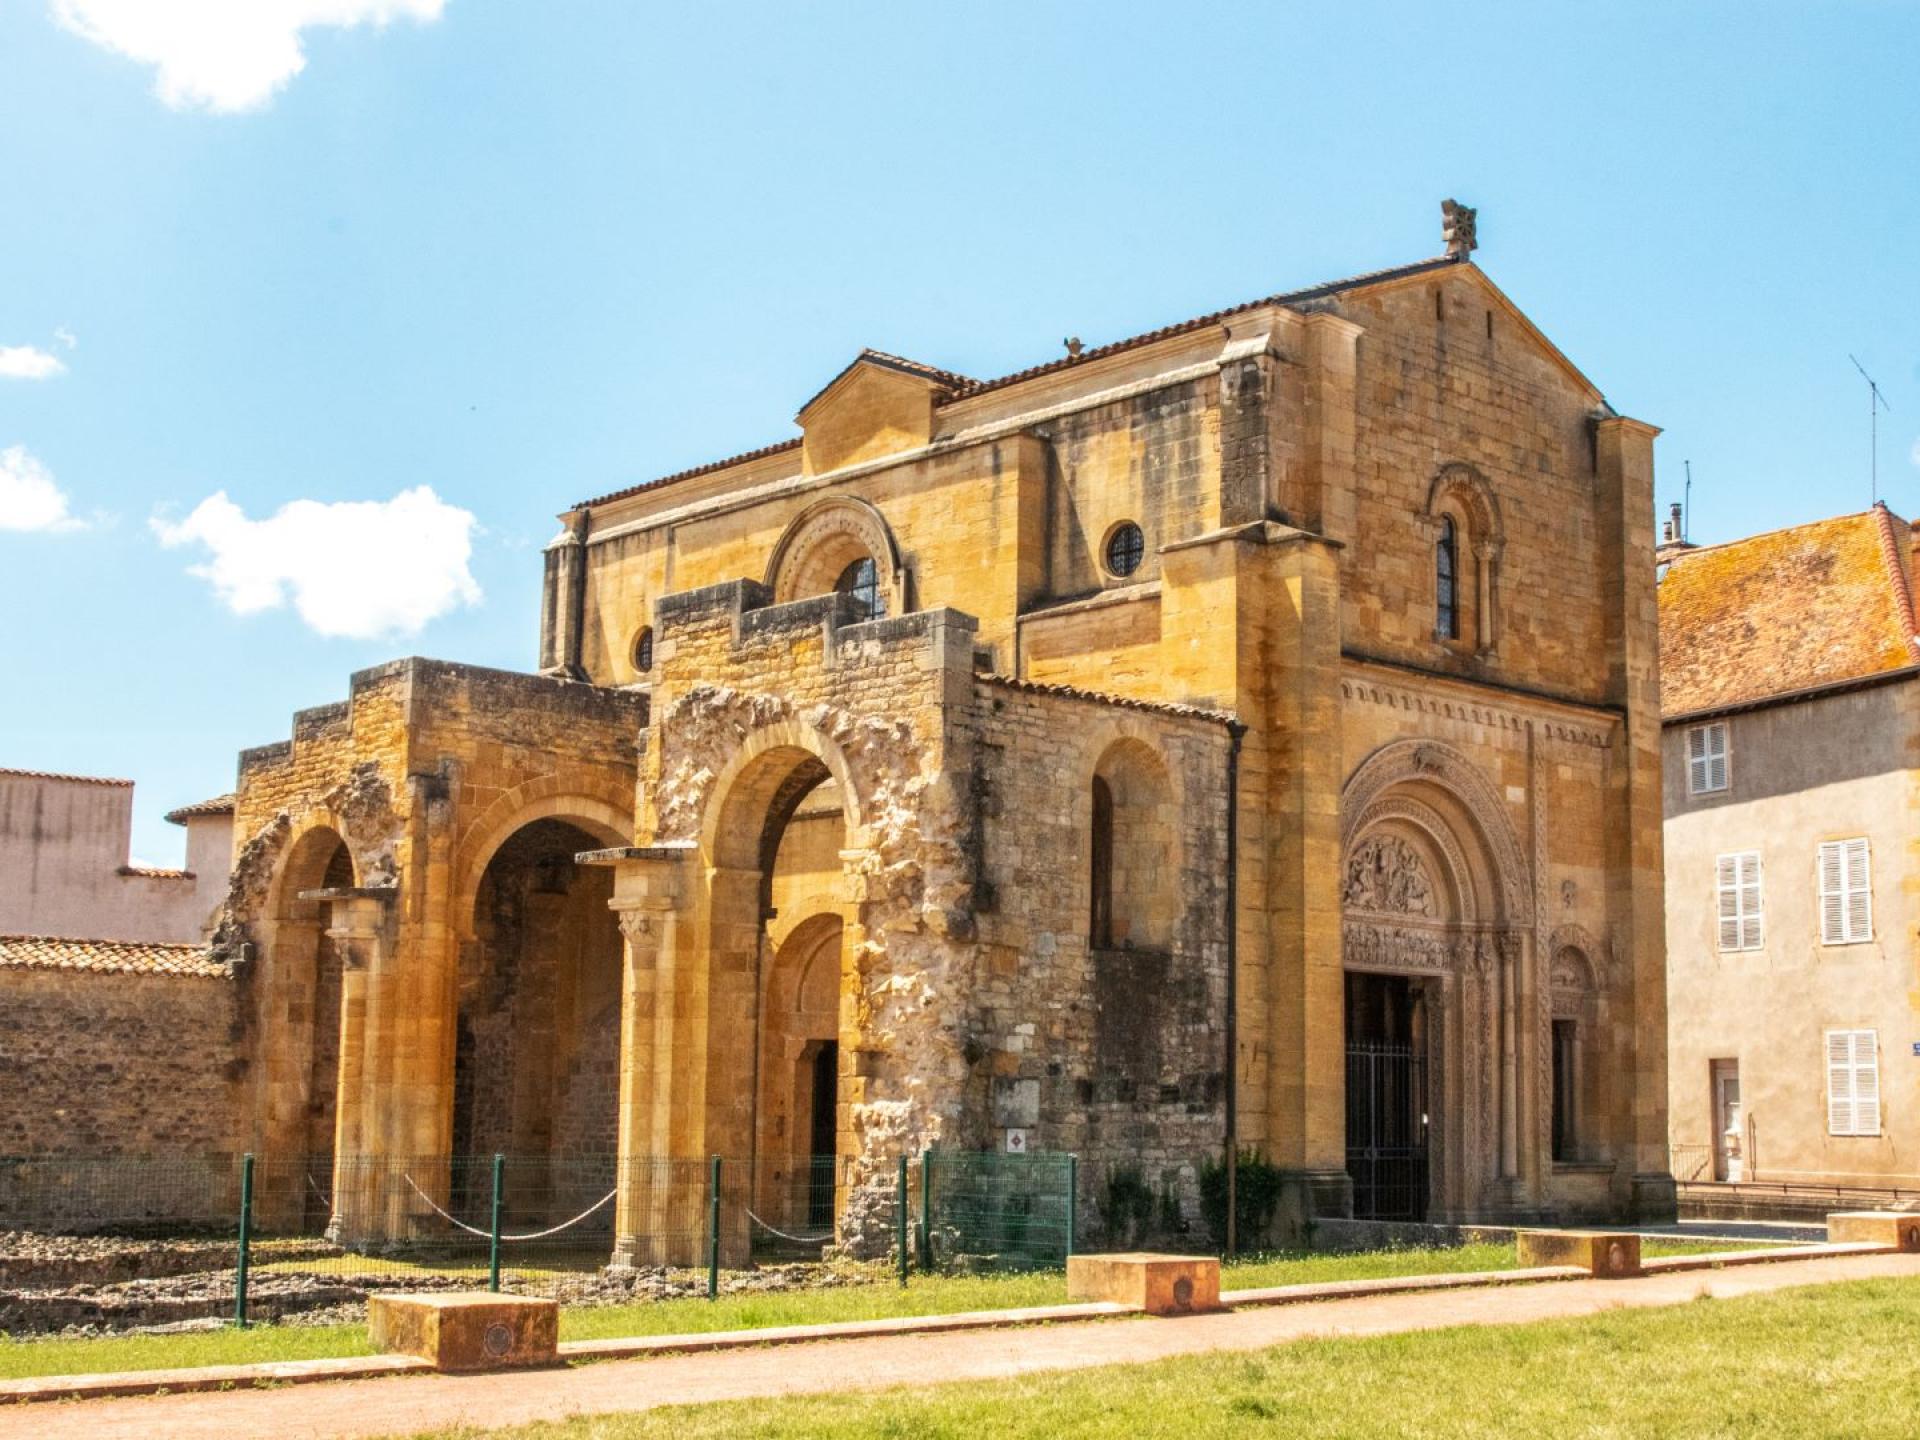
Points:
[1456,228]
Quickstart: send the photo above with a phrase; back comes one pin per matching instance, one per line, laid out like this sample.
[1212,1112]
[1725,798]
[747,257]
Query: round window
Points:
[1126,547]
[643,650]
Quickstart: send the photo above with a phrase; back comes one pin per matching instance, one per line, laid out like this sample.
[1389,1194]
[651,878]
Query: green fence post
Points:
[713,1233]
[246,1241]
[493,1227]
[926,1209]
[900,1216]
[1073,1201]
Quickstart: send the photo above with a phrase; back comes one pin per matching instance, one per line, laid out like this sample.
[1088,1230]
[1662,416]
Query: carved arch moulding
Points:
[823,539]
[1413,763]
[1462,489]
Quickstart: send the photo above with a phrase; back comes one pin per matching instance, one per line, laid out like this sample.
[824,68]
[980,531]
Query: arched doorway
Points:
[778,923]
[537,1026]
[300,1025]
[1434,940]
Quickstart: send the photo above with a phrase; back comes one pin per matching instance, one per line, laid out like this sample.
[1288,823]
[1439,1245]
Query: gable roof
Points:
[960,387]
[1784,612]
[127,957]
[219,805]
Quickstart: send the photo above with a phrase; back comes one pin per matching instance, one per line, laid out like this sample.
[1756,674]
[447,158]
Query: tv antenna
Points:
[1875,404]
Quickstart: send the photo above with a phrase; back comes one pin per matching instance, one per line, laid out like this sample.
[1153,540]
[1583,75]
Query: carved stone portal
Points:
[1385,874]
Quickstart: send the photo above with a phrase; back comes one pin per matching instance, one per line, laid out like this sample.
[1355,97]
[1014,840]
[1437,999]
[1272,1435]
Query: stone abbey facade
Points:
[1252,725]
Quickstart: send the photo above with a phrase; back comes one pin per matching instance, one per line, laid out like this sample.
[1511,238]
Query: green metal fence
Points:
[257,1238]
[985,1210]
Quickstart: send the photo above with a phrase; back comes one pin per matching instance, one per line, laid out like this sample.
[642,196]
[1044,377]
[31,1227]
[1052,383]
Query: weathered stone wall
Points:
[1116,1054]
[117,1064]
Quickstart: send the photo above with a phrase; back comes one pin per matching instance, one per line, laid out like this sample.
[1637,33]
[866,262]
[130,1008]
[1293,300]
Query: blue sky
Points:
[522,253]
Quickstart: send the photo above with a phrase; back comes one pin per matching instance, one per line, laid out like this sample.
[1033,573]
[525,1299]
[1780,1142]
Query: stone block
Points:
[467,1329]
[1875,1227]
[1603,1254]
[1157,1284]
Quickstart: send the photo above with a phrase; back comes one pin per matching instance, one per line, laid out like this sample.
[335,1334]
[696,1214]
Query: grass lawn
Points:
[926,1295]
[1825,1361]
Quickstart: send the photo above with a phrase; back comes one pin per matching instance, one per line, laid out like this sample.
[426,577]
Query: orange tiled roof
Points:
[219,805]
[9,773]
[959,387]
[1790,610]
[130,957]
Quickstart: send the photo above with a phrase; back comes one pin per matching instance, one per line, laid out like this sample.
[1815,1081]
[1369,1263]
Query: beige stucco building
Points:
[1247,729]
[65,871]
[1792,747]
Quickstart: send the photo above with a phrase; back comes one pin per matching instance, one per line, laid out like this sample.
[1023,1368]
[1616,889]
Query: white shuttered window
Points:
[1737,881]
[1846,892]
[1706,759]
[1853,1082]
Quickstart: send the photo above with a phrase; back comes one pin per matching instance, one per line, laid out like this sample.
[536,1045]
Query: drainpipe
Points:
[1235,733]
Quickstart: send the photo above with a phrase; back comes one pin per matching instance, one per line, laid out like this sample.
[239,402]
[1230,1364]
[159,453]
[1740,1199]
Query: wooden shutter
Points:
[1840,1082]
[1716,757]
[1750,926]
[1696,760]
[1859,892]
[1853,1082]
[1727,884]
[1737,888]
[1833,905]
[1866,1082]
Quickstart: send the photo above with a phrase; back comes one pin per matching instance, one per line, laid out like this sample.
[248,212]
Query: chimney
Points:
[1673,535]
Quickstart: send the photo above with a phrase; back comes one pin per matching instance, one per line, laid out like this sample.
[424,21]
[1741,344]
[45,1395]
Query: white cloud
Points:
[66,337]
[24,362]
[356,568]
[224,55]
[29,500]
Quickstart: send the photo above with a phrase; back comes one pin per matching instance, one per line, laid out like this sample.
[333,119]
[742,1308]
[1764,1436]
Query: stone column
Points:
[657,1215]
[363,1209]
[1509,961]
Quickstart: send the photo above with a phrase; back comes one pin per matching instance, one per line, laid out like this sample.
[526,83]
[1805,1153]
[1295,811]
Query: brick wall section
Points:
[107,1063]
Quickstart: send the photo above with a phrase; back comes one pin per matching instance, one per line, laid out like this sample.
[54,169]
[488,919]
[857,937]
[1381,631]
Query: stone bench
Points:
[1157,1284]
[467,1329]
[1874,1227]
[1604,1255]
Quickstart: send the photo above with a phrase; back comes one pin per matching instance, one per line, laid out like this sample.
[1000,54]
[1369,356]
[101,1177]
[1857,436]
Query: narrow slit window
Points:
[1446,569]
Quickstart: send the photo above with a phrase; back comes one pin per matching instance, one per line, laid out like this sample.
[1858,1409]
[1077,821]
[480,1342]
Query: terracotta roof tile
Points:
[1790,610]
[1101,697]
[128,957]
[7,773]
[219,805]
[962,387]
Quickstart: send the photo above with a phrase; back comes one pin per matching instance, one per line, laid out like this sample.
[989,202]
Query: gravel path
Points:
[405,1406]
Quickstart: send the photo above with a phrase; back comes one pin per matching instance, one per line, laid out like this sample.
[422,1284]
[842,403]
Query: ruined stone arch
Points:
[1460,494]
[823,540]
[606,815]
[752,778]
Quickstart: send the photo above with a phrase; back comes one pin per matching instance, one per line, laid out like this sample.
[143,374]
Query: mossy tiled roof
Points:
[131,957]
[1790,610]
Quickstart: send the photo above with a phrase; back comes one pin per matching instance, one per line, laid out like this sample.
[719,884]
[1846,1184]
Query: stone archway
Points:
[298,1016]
[823,541]
[1436,900]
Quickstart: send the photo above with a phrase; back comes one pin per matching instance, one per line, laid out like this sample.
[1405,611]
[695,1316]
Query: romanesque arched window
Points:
[861,580]
[1463,521]
[1133,891]
[1446,560]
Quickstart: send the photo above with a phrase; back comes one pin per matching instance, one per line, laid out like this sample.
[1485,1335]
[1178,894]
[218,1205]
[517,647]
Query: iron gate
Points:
[1387,1130]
